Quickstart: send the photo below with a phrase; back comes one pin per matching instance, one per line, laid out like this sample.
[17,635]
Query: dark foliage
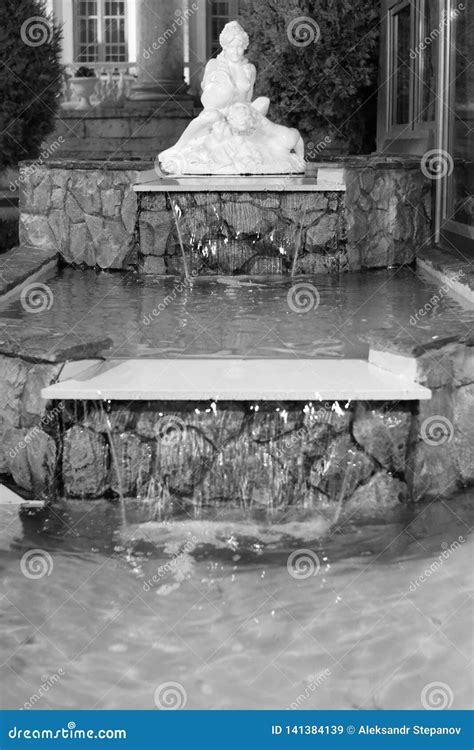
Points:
[318,62]
[30,78]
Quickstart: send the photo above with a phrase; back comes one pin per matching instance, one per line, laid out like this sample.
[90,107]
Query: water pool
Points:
[226,621]
[229,317]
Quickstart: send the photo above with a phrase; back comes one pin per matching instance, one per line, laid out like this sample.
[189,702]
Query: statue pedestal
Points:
[242,225]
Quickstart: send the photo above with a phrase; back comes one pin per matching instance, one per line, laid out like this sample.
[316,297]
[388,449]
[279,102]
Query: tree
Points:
[317,60]
[30,78]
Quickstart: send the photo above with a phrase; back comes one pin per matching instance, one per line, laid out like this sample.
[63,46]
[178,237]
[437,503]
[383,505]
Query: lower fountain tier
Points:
[243,434]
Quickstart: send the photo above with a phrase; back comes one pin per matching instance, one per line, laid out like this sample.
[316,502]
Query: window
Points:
[429,60]
[408,100]
[100,28]
[220,12]
[401,65]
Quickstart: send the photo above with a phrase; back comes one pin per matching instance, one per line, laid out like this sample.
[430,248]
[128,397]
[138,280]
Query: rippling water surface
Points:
[320,316]
[216,607]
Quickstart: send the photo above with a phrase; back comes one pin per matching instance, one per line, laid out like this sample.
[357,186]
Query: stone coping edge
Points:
[348,162]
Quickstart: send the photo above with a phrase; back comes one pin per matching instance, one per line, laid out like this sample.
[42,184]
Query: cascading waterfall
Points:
[115,461]
[176,211]
[298,245]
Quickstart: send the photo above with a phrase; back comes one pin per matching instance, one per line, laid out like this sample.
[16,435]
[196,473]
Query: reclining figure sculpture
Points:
[233,135]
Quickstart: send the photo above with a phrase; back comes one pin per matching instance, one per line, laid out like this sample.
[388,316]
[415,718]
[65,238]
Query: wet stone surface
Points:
[244,233]
[238,455]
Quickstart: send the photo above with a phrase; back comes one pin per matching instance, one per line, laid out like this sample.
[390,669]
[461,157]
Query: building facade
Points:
[426,103]
[99,33]
[157,48]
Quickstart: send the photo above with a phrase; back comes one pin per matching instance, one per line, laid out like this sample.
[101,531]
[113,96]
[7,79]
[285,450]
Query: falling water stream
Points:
[298,245]
[115,461]
[176,216]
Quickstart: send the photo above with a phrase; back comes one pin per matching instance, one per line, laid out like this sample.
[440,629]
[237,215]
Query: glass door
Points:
[456,193]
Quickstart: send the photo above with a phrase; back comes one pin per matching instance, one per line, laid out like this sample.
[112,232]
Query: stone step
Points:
[451,267]
[234,380]
[8,497]
[22,266]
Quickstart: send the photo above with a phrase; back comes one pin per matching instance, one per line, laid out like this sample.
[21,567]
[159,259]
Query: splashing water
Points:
[115,461]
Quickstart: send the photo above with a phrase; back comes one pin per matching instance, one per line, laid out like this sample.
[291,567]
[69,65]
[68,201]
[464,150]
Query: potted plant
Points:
[83,85]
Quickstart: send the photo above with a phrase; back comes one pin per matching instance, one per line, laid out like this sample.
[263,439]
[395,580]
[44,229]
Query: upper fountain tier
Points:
[232,135]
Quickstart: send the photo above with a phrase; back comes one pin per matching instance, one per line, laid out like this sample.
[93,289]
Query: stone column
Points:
[160,50]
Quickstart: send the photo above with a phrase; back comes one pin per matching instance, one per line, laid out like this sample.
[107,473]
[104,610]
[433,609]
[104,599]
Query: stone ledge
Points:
[92,164]
[21,264]
[418,341]
[451,268]
[38,349]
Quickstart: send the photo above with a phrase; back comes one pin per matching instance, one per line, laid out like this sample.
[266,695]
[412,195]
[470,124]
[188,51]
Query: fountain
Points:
[236,185]
[250,430]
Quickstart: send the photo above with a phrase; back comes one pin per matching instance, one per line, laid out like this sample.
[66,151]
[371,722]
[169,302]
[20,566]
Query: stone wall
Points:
[441,458]
[243,233]
[28,446]
[388,210]
[276,456]
[88,212]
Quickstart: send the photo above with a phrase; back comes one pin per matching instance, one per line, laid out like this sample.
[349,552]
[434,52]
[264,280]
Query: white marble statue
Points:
[232,135]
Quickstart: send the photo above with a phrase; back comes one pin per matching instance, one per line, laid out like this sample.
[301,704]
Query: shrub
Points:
[317,60]
[30,78]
